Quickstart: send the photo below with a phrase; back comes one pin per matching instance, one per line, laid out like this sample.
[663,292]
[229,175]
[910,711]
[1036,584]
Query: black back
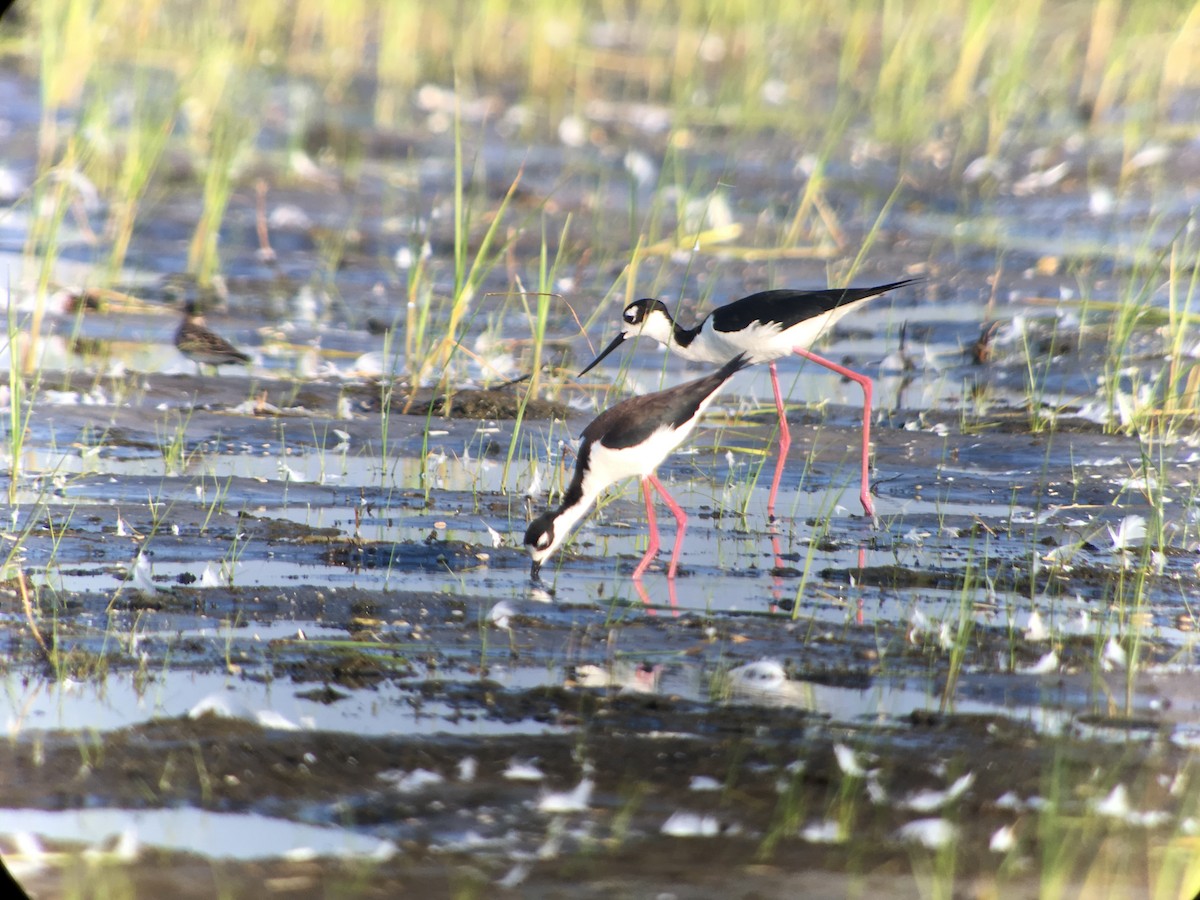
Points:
[632,421]
[789,307]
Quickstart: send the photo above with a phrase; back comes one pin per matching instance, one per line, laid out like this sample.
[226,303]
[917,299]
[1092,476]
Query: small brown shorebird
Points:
[625,440]
[203,346]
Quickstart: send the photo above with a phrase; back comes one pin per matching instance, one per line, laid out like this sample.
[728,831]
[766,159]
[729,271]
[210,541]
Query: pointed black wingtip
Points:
[875,290]
[739,362]
[903,282]
[850,295]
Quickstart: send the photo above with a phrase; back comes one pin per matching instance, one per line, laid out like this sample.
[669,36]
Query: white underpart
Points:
[607,466]
[762,342]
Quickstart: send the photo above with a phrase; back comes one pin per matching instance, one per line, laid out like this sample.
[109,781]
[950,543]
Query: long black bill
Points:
[535,571]
[603,353]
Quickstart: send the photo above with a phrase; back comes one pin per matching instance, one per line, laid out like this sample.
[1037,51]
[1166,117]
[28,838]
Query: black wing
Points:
[632,421]
[789,307]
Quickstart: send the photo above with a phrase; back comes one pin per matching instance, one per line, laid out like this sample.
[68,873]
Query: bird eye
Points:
[543,541]
[631,315]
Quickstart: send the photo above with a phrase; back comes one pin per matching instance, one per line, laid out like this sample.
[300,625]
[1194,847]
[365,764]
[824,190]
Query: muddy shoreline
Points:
[272,630]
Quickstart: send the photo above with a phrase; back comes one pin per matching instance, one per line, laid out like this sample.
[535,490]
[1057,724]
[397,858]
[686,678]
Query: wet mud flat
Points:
[295,644]
[652,751]
[330,659]
[272,630]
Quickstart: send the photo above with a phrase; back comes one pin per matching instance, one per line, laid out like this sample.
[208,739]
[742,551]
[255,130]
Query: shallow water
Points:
[320,579]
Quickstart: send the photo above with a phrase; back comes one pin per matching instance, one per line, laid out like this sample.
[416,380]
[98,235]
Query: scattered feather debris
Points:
[575,800]
[519,770]
[930,833]
[690,824]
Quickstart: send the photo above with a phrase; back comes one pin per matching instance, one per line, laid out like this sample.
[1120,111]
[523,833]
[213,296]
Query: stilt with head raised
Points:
[765,326]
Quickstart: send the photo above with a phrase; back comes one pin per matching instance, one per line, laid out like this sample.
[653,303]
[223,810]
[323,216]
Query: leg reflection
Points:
[862,565]
[777,571]
[672,597]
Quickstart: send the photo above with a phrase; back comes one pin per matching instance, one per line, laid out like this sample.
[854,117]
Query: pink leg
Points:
[680,519]
[680,524]
[652,523]
[865,383]
[785,442]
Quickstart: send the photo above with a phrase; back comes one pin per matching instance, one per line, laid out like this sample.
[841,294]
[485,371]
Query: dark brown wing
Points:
[632,421]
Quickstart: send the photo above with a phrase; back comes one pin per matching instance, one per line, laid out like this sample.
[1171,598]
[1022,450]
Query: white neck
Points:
[566,520]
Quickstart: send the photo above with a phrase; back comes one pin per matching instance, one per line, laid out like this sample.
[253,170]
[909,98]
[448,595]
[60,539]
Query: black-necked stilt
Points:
[629,439]
[202,345]
[765,326]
